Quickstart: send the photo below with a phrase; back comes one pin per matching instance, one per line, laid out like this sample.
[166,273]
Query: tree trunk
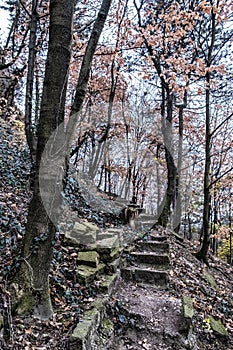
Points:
[32,281]
[33,276]
[178,197]
[202,254]
[30,80]
[171,167]
[170,191]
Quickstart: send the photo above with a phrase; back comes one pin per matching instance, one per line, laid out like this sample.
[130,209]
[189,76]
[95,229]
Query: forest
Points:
[116,121]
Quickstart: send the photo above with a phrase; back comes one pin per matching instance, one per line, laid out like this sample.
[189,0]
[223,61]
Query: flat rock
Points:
[84,233]
[188,312]
[89,258]
[211,280]
[218,328]
[81,233]
[90,226]
[108,283]
[87,274]
[72,239]
[107,245]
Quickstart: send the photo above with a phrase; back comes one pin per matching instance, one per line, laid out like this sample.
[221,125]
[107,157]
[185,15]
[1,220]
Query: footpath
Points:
[134,308]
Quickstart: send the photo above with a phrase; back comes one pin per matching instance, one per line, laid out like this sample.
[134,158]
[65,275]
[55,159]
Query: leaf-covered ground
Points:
[70,299]
[212,296]
[210,288]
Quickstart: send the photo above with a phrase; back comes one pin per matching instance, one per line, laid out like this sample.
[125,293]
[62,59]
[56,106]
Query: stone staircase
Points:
[148,261]
[157,317]
[144,222]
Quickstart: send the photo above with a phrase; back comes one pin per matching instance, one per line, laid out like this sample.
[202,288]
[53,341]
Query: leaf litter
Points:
[70,299]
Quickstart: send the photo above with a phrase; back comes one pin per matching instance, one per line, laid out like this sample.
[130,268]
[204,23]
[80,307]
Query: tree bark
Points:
[169,150]
[178,197]
[202,254]
[33,277]
[30,80]
[32,281]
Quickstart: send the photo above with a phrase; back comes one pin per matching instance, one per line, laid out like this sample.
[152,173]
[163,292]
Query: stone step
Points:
[146,217]
[145,275]
[148,223]
[154,246]
[107,245]
[156,237]
[86,274]
[88,258]
[150,258]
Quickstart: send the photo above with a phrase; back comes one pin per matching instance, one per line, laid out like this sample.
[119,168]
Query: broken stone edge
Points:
[95,327]
[86,332]
[188,312]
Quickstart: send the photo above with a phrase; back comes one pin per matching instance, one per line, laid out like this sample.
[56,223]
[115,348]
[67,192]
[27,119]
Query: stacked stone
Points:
[96,249]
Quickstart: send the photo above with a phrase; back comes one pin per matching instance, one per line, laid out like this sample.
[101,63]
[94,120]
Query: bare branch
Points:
[221,124]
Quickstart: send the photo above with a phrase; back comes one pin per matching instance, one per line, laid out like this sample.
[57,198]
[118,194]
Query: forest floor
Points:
[70,299]
[155,314]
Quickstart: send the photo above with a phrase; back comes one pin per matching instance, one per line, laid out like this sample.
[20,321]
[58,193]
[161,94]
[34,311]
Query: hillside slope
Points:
[211,288]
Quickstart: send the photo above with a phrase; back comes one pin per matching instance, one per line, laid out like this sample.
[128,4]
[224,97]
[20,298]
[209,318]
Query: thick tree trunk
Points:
[32,281]
[33,277]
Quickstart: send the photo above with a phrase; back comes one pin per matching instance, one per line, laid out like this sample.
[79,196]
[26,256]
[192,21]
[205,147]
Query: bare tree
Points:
[32,279]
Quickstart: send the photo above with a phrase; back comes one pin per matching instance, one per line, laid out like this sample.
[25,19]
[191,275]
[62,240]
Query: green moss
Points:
[90,226]
[90,258]
[108,283]
[81,332]
[108,324]
[99,304]
[25,304]
[107,327]
[87,273]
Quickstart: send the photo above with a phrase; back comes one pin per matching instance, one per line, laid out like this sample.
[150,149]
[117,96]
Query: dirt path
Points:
[151,319]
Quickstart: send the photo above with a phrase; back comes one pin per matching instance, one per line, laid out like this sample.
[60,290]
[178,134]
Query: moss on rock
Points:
[89,258]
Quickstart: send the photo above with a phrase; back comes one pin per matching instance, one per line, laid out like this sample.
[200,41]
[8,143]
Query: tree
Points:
[213,22]
[32,279]
[30,79]
[165,35]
